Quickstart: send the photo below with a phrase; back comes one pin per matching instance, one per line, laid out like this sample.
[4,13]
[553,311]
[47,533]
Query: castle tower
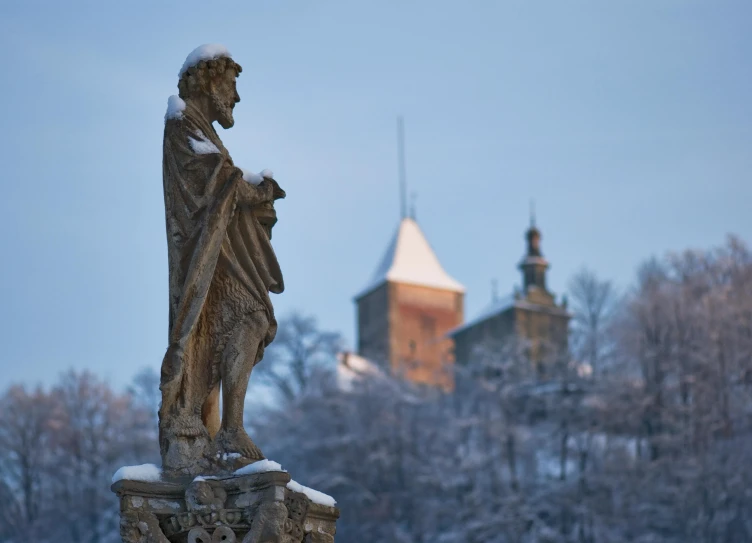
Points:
[531,318]
[407,309]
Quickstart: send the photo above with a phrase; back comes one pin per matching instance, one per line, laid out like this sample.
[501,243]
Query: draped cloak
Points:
[211,222]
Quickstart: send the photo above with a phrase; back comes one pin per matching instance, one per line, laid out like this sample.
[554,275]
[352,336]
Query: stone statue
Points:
[221,270]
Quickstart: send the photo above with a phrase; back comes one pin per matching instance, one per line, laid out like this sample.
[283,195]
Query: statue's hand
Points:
[277,192]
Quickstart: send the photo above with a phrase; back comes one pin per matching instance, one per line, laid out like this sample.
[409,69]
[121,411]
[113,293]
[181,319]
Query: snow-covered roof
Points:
[502,304]
[352,367]
[208,51]
[491,310]
[410,259]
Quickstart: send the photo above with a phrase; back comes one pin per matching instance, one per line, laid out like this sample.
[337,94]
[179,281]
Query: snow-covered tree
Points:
[658,448]
[592,303]
[58,451]
[300,350]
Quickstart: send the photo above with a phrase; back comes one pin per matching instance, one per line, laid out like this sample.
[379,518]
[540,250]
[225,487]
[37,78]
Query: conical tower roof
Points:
[410,259]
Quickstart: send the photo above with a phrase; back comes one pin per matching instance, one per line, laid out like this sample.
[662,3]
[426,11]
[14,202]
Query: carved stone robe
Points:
[212,230]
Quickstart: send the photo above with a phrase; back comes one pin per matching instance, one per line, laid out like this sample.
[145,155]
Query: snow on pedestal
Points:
[314,495]
[150,473]
[265,466]
[258,502]
[262,466]
[147,473]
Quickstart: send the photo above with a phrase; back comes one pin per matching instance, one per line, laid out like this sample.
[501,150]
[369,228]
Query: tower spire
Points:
[401,165]
[533,264]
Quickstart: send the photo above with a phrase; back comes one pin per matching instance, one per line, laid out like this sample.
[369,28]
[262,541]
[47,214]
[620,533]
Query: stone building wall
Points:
[546,333]
[486,333]
[373,325]
[419,319]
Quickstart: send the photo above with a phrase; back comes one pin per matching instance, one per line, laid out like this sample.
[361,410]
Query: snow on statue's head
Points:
[210,72]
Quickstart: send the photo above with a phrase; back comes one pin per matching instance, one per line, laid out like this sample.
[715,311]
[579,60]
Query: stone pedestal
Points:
[256,508]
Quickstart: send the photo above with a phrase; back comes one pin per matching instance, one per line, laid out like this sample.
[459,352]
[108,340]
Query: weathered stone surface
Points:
[245,509]
[222,268]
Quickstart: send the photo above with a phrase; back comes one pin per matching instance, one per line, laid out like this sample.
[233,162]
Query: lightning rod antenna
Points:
[532,212]
[402,171]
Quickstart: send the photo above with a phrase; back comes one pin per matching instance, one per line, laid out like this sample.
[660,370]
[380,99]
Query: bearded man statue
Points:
[221,270]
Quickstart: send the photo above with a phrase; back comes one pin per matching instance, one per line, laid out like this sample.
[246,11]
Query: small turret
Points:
[533,265]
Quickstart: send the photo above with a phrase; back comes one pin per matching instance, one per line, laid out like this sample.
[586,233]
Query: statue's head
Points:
[212,82]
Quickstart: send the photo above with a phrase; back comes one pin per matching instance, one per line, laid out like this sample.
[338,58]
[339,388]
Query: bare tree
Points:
[298,352]
[593,301]
[99,430]
[145,390]
[26,420]
[656,450]
[58,451]
[659,449]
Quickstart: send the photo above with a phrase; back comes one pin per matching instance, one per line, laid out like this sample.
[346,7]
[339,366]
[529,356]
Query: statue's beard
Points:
[224,113]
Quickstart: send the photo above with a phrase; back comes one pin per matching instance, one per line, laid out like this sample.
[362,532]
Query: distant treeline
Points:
[642,433]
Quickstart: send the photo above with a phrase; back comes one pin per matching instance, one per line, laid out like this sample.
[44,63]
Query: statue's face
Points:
[224,97]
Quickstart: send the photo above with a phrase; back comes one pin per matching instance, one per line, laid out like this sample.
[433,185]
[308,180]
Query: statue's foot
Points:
[237,441]
[185,447]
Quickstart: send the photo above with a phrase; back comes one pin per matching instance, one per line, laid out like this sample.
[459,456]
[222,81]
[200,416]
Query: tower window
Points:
[428,326]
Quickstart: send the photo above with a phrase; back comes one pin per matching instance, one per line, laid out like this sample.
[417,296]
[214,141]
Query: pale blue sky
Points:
[629,122]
